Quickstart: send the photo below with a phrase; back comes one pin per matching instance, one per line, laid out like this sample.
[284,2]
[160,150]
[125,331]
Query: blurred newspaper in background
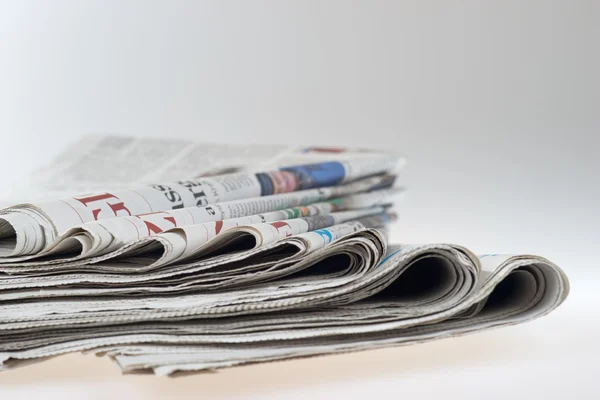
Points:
[108,162]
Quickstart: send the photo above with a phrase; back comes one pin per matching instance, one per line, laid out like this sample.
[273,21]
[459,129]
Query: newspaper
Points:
[32,228]
[103,236]
[414,294]
[243,267]
[110,162]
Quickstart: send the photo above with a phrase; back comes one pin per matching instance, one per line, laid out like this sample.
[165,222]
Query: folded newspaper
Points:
[238,261]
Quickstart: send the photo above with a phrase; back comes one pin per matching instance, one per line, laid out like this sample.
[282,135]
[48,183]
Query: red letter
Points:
[100,197]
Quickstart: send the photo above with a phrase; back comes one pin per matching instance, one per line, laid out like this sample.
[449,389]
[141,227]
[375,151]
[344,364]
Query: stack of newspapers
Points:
[271,260]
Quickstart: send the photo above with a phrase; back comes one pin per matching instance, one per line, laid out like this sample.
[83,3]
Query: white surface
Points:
[494,102]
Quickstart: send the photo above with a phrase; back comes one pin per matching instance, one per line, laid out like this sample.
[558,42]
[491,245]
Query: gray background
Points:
[496,104]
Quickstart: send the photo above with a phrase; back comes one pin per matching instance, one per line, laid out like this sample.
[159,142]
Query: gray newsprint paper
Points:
[169,261]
